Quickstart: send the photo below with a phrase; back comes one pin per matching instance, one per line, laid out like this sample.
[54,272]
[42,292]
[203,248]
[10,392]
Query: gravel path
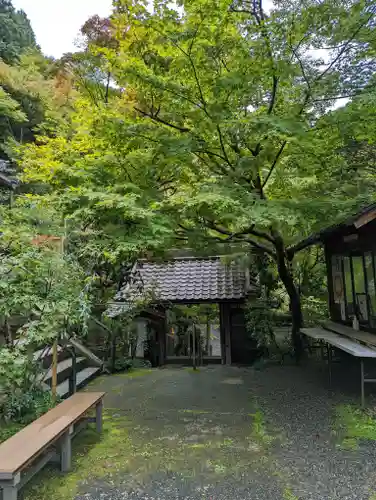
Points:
[229,433]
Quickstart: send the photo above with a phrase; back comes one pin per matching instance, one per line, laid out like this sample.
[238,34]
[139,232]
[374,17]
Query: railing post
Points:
[54,369]
[73,373]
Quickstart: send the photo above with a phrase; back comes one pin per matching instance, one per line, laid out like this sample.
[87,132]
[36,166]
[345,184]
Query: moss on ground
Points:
[289,495]
[127,451]
[194,412]
[260,434]
[351,425]
[194,445]
[138,372]
[93,457]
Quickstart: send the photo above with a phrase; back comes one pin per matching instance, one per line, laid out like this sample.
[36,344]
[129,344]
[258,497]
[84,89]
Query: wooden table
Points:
[362,336]
[347,345]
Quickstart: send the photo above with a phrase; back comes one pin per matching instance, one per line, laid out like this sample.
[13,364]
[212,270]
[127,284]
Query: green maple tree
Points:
[220,129]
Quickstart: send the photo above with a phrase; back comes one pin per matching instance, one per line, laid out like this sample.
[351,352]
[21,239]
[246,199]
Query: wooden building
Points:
[188,280]
[350,250]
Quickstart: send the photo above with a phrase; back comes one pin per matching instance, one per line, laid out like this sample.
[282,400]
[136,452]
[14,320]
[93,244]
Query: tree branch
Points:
[277,157]
[295,52]
[238,236]
[223,146]
[188,55]
[274,94]
[345,46]
[160,120]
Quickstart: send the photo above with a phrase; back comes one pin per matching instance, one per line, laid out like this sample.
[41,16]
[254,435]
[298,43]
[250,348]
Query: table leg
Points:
[99,416]
[329,353]
[322,349]
[362,382]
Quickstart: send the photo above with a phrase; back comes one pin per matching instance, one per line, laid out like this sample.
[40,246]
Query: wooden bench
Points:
[46,439]
[347,345]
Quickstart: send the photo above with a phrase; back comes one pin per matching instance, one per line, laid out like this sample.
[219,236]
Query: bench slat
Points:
[23,447]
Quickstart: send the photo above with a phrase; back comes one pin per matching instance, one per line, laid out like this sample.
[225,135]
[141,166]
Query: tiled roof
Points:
[186,280]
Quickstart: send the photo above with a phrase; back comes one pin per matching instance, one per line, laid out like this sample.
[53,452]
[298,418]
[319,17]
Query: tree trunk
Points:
[285,274]
[107,87]
[8,334]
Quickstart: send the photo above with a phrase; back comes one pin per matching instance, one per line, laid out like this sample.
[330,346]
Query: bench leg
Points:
[10,489]
[362,382]
[66,452]
[10,492]
[99,416]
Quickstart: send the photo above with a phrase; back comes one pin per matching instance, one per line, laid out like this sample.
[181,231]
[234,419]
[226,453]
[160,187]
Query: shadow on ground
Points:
[223,433]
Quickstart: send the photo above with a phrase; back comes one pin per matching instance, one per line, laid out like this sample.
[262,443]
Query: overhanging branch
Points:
[275,161]
[156,118]
[240,236]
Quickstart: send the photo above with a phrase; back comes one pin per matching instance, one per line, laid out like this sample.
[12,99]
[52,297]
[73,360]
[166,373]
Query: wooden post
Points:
[207,335]
[66,452]
[10,491]
[227,332]
[73,374]
[99,416]
[54,369]
[194,348]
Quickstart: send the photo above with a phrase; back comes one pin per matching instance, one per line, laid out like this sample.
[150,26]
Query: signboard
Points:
[338,288]
[338,284]
[362,305]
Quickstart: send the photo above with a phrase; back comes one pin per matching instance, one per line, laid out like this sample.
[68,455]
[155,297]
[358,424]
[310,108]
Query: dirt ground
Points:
[222,433]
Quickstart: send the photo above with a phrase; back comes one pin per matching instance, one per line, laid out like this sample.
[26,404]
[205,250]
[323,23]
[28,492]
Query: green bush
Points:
[259,322]
[123,364]
[18,371]
[141,363]
[24,407]
[22,398]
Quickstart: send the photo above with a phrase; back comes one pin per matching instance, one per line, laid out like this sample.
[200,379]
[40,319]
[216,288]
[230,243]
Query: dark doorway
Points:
[193,332]
[243,348]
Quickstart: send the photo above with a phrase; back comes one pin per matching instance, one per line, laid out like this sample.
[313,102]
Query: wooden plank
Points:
[365,337]
[23,447]
[353,348]
[345,344]
[318,333]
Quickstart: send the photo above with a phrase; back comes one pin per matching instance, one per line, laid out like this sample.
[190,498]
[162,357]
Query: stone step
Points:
[64,369]
[83,378]
[45,355]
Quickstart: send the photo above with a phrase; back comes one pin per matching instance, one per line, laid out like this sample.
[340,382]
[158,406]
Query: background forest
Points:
[215,126]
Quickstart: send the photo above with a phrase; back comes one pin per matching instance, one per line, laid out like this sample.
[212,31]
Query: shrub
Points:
[24,407]
[18,370]
[22,398]
[125,364]
[259,322]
